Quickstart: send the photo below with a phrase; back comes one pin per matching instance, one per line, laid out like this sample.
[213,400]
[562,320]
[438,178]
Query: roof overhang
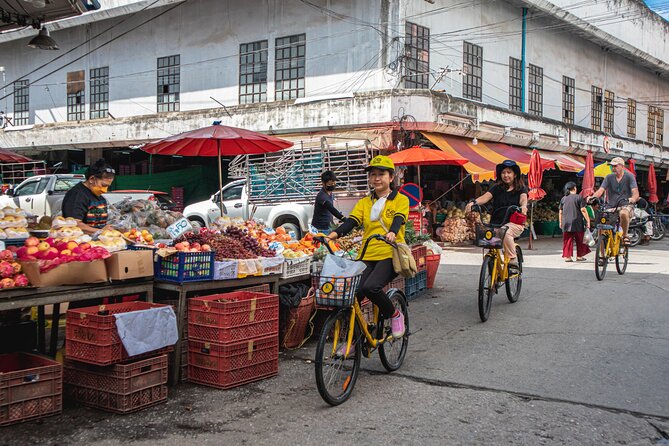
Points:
[16,14]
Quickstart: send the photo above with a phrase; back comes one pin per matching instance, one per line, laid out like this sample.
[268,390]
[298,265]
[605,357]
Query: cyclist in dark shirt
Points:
[324,206]
[85,201]
[509,190]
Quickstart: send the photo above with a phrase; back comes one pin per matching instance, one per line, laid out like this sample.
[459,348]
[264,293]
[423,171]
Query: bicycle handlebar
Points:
[509,209]
[324,240]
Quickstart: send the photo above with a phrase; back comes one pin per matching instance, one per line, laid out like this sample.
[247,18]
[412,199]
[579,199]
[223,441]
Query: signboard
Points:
[413,192]
[179,227]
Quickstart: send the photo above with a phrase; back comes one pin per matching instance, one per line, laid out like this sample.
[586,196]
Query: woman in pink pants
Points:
[574,220]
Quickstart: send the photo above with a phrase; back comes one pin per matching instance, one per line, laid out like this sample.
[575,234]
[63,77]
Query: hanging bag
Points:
[403,262]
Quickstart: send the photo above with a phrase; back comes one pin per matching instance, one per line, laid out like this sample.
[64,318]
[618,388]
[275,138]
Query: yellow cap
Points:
[381,162]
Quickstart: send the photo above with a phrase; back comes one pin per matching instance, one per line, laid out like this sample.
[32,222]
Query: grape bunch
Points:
[250,243]
[233,243]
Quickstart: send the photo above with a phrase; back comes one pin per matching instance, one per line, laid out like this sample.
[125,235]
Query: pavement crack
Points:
[660,430]
[526,396]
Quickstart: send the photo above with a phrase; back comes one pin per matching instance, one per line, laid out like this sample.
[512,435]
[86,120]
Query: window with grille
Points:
[99,85]
[609,110]
[169,83]
[631,118]
[655,125]
[515,84]
[290,67]
[568,92]
[76,96]
[417,56]
[21,103]
[535,103]
[472,67]
[596,108]
[253,72]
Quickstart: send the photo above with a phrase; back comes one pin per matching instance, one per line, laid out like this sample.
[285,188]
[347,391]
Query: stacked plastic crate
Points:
[233,338]
[178,198]
[417,284]
[98,371]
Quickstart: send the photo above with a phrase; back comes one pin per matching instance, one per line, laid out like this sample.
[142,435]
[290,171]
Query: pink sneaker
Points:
[397,325]
[341,350]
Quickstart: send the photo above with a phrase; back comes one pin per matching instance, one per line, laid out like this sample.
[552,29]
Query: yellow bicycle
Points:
[347,335]
[495,267]
[609,243]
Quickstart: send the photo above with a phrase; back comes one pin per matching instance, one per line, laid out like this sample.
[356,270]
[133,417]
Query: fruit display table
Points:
[39,297]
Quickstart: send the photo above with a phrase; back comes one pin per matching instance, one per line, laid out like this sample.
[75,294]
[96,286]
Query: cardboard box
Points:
[130,264]
[73,273]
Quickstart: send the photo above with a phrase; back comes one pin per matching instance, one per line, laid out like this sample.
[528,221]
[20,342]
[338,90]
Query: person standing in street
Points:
[574,219]
[85,202]
[324,208]
[619,186]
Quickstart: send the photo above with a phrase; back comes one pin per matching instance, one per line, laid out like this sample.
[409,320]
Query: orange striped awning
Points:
[484,156]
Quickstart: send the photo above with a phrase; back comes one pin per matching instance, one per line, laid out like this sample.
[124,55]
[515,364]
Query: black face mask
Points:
[330,188]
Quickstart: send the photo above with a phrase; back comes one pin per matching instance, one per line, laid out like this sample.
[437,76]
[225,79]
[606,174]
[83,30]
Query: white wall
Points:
[348,53]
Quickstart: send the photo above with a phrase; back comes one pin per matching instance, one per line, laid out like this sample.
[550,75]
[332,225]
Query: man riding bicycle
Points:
[383,212]
[619,185]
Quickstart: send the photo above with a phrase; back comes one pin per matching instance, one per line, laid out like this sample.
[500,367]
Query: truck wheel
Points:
[290,226]
[196,223]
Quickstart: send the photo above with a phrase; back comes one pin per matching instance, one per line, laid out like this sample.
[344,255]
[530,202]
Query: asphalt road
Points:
[574,361]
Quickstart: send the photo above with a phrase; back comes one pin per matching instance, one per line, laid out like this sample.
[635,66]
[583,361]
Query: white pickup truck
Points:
[293,216]
[42,194]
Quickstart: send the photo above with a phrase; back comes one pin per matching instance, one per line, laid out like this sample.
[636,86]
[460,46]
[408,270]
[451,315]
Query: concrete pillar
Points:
[92,155]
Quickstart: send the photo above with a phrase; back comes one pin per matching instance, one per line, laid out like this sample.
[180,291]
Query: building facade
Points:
[563,75]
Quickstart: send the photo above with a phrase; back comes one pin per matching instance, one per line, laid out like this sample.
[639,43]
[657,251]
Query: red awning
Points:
[7,156]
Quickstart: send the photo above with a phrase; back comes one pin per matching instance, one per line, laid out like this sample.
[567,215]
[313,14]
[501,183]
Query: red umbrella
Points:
[652,185]
[632,167]
[10,157]
[534,177]
[588,186]
[419,156]
[217,140]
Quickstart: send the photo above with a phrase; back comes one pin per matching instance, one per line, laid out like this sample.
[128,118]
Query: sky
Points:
[659,6]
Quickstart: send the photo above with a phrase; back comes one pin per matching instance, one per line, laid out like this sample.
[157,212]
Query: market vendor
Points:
[324,208]
[85,201]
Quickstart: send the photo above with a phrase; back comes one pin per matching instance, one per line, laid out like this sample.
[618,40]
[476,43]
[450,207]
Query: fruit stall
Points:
[215,315]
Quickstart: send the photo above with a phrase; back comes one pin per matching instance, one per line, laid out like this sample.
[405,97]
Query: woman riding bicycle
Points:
[508,190]
[383,212]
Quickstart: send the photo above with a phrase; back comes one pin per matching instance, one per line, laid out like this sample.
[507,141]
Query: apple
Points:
[181,246]
[195,245]
[7,283]
[77,251]
[14,249]
[6,255]
[43,246]
[31,250]
[206,248]
[16,266]
[61,245]
[71,245]
[32,241]
[66,252]
[85,246]
[51,241]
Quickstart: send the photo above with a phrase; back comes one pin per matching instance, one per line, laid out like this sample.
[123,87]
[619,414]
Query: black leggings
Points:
[378,274]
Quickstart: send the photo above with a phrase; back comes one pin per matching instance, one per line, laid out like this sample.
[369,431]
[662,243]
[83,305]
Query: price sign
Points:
[179,227]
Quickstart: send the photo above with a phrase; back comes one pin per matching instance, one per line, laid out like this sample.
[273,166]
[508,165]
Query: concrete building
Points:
[563,75]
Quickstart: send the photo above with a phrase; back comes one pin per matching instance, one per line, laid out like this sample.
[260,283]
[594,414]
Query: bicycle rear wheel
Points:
[635,235]
[601,259]
[392,353]
[336,372]
[486,288]
[621,259]
[514,282]
[658,229]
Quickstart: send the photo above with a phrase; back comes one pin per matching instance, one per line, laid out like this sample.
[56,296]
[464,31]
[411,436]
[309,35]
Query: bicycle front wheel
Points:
[658,229]
[392,353]
[601,259]
[486,288]
[337,372]
[635,235]
[514,282]
[621,259]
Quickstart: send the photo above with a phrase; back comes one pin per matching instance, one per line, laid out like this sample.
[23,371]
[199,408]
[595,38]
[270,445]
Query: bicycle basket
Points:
[336,291]
[489,237]
[607,220]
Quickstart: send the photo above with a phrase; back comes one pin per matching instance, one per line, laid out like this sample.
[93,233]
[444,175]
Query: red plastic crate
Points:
[231,317]
[122,388]
[230,365]
[419,253]
[92,338]
[30,387]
